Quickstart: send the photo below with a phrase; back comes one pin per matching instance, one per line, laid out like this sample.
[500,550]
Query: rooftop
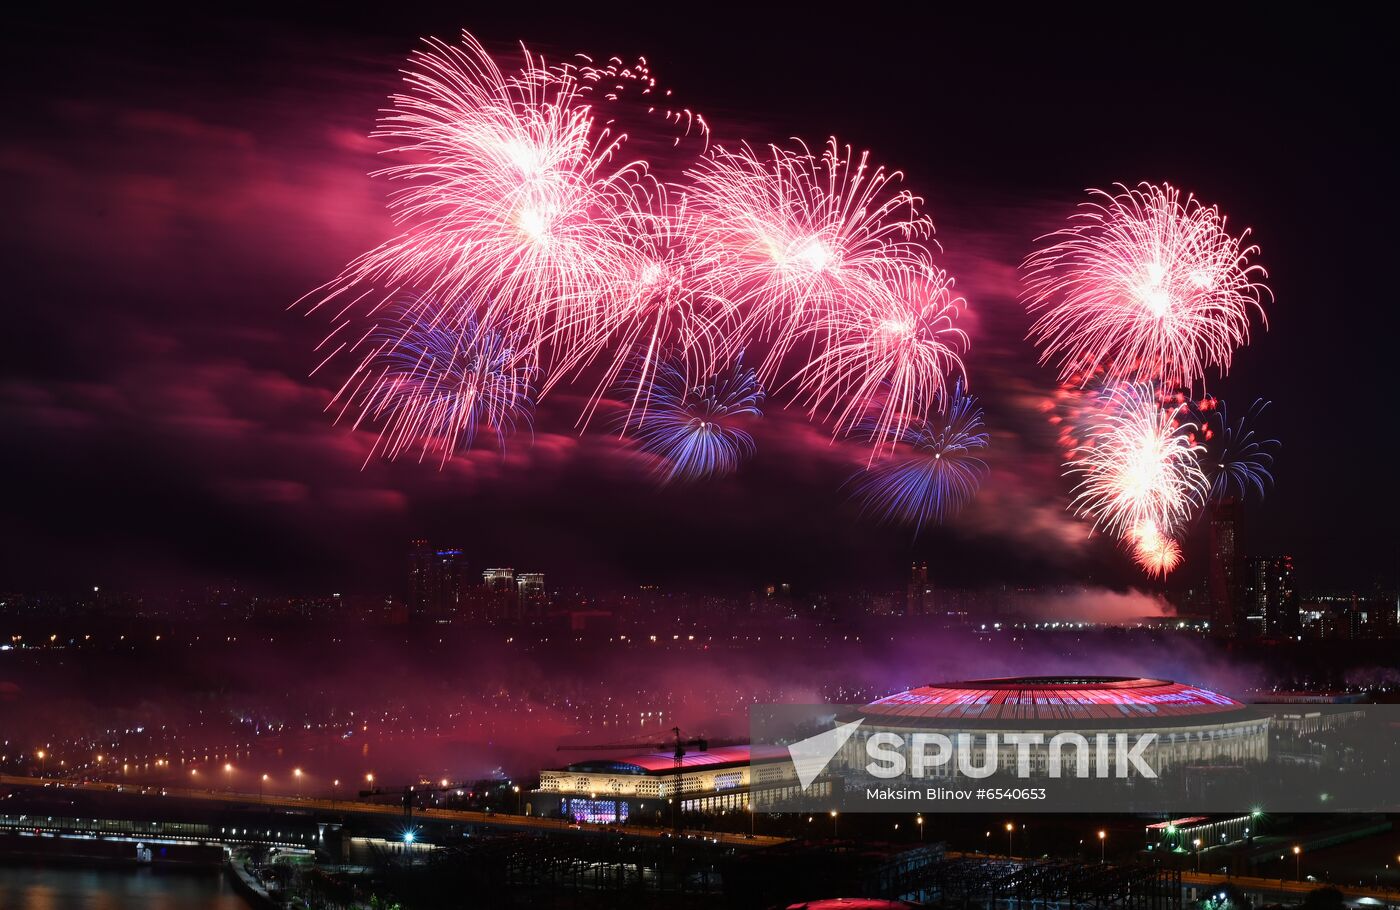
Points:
[665,762]
[1051,699]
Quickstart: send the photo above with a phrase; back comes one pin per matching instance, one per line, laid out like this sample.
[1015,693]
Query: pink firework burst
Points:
[790,238]
[655,309]
[1154,552]
[883,361]
[524,238]
[1136,466]
[1146,286]
[507,195]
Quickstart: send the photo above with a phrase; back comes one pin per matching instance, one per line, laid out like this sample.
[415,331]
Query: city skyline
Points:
[1240,595]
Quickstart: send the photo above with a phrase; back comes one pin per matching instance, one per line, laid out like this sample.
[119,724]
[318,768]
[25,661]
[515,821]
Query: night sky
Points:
[172,185]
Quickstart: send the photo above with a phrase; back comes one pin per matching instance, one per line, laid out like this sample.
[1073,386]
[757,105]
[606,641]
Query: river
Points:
[34,887]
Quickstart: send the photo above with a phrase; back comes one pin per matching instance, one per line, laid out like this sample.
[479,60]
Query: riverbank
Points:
[50,848]
[246,884]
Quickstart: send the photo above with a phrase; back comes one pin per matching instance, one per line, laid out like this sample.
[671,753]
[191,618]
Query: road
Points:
[359,807]
[1268,886]
[1286,886]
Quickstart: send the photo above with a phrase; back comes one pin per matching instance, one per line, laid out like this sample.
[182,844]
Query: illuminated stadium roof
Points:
[664,762]
[851,903]
[1049,700]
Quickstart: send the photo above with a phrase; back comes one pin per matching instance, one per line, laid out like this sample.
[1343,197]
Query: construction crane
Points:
[678,746]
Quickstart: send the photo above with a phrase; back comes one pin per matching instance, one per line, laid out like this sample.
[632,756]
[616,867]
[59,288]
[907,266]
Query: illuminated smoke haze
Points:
[152,340]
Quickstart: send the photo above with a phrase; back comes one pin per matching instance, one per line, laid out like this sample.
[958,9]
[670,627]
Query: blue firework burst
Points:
[937,475]
[433,388]
[1238,461]
[694,430]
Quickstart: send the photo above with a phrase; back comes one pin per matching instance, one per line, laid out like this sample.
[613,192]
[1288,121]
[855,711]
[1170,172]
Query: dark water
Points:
[24,887]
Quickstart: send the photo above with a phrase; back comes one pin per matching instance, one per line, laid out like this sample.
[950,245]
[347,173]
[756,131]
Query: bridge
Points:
[150,795]
[231,817]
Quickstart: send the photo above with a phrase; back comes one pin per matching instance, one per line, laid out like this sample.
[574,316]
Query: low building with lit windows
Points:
[644,787]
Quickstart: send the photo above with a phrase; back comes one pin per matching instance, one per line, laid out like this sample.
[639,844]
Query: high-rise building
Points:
[449,582]
[1273,597]
[1223,580]
[530,595]
[498,579]
[500,589]
[919,597]
[420,578]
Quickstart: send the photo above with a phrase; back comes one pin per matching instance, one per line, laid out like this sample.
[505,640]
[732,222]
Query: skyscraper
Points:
[1223,581]
[500,589]
[919,597]
[420,578]
[448,584]
[498,579]
[531,596]
[1273,598]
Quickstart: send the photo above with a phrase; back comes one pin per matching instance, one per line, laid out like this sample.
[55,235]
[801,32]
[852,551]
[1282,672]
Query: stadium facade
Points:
[1194,726]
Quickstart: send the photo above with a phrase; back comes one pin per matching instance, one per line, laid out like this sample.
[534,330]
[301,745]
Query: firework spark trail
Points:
[1233,459]
[1237,460]
[434,388]
[519,220]
[941,472]
[892,355]
[509,195]
[616,81]
[654,307]
[1136,466]
[693,429]
[790,238]
[1145,285]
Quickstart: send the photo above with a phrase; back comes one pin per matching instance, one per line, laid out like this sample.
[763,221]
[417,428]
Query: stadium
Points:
[1194,726]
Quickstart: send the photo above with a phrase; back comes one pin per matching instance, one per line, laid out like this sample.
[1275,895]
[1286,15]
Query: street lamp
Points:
[919,820]
[1197,844]
[262,782]
[42,765]
[749,806]
[834,824]
[335,789]
[228,775]
[1103,840]
[1010,831]
[516,789]
[1298,861]
[296,772]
